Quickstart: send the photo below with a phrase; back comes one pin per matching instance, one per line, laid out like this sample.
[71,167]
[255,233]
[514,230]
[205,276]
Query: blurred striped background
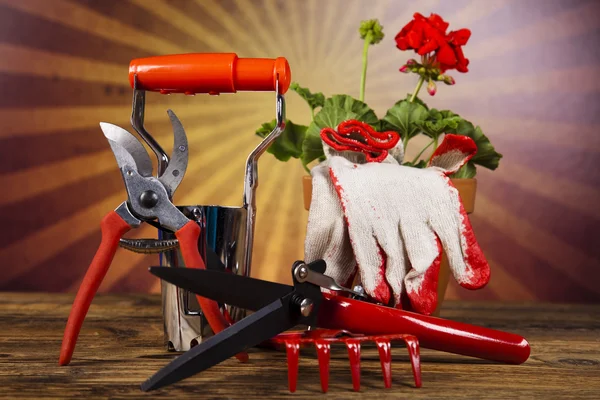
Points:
[533,87]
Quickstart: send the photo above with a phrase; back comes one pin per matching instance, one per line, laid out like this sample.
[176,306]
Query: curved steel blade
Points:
[124,158]
[130,143]
[172,176]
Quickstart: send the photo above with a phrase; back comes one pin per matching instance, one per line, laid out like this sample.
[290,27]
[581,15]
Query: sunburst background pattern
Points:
[533,87]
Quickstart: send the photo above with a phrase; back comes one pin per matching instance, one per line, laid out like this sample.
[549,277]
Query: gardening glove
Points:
[327,235]
[399,219]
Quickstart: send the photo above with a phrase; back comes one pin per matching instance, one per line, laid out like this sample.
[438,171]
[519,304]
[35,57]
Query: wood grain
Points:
[121,344]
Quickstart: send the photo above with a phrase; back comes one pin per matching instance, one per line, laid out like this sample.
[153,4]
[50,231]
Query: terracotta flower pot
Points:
[466,189]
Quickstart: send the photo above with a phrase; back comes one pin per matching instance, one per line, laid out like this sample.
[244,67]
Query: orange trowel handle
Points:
[212,73]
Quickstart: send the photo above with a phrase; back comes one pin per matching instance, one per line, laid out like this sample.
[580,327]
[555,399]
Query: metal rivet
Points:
[302,272]
[197,213]
[148,199]
[182,148]
[359,289]
[175,172]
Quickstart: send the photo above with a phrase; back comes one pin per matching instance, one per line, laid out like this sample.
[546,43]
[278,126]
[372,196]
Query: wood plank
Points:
[121,345]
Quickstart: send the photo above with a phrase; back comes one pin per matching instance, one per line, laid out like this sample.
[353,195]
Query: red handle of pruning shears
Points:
[188,243]
[112,227]
[211,73]
[337,312]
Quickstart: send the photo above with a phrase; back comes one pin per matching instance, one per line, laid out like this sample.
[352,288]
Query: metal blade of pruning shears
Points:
[124,158]
[130,143]
[175,171]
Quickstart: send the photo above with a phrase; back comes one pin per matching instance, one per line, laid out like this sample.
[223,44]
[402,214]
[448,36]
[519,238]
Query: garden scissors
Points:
[278,307]
[149,200]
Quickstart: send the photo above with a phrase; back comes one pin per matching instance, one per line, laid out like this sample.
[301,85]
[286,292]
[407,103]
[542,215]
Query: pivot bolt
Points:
[148,199]
[301,272]
[306,307]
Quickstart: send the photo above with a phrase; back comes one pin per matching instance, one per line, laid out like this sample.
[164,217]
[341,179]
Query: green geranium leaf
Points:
[439,122]
[420,164]
[336,109]
[314,100]
[486,155]
[417,100]
[466,171]
[350,104]
[288,144]
[404,118]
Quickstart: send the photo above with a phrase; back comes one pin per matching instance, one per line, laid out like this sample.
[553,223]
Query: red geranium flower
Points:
[426,35]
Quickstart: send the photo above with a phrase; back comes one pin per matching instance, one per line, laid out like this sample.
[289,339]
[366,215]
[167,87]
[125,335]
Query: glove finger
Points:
[371,262]
[473,255]
[388,236]
[326,232]
[466,259]
[341,264]
[333,246]
[369,256]
[424,252]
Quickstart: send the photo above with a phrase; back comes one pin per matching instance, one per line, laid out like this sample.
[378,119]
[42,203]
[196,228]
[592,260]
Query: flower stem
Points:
[422,151]
[435,144]
[363,77]
[417,89]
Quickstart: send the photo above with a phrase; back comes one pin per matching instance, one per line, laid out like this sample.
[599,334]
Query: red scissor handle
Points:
[113,227]
[337,312]
[212,73]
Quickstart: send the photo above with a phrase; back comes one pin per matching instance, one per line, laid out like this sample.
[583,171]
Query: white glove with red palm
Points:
[395,220]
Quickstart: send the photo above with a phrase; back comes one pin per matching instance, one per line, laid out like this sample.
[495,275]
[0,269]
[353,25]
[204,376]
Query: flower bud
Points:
[447,79]
[431,88]
[371,29]
[404,69]
[415,69]
[422,70]
[412,61]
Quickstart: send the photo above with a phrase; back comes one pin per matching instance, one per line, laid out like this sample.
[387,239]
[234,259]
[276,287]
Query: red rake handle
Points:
[337,312]
[212,73]
[188,242]
[113,227]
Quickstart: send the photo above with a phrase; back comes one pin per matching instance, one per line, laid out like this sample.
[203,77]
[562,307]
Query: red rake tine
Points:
[353,346]
[323,353]
[385,357]
[412,345]
[293,351]
[322,340]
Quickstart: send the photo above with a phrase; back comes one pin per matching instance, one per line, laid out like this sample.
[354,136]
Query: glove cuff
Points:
[359,143]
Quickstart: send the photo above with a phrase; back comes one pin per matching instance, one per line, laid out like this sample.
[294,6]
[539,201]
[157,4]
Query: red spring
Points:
[322,340]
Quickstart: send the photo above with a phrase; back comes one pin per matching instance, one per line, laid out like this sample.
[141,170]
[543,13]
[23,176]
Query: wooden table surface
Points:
[121,345]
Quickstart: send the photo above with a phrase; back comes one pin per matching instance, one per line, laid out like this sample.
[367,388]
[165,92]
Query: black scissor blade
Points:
[213,262]
[235,290]
[250,331]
